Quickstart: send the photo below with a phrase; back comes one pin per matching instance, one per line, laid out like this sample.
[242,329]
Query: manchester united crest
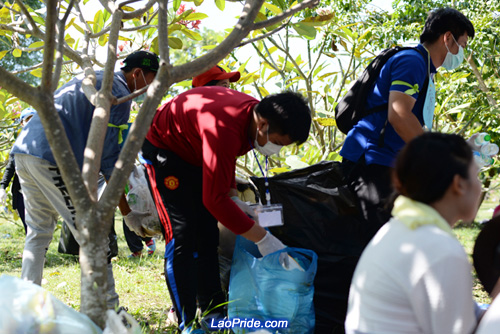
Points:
[171,182]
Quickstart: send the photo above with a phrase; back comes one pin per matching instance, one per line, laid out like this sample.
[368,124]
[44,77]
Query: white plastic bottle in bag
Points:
[482,160]
[482,138]
[489,149]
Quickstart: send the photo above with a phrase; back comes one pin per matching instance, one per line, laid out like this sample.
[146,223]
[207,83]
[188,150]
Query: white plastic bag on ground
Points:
[28,308]
[139,199]
[121,323]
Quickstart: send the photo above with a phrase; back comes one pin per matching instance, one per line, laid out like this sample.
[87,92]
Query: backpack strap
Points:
[386,105]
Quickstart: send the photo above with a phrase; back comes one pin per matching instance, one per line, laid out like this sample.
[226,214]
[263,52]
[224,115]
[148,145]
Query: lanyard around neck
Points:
[266,181]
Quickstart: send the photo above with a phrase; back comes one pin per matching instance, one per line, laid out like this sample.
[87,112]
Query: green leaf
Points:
[366,35]
[70,23]
[3,113]
[282,4]
[295,162]
[272,75]
[69,40]
[123,38]
[128,9]
[325,121]
[181,17]
[327,75]
[263,91]
[39,20]
[304,30]
[3,53]
[154,46]
[185,84]
[260,17]
[272,8]
[174,42]
[5,15]
[103,40]
[208,47]
[242,67]
[36,44]
[221,4]
[191,34]
[98,22]
[17,53]
[37,72]
[105,17]
[80,29]
[196,16]
[279,170]
[175,27]
[247,79]
[273,49]
[176,4]
[198,2]
[317,21]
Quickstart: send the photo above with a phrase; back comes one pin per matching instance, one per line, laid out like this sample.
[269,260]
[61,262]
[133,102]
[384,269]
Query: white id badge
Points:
[270,215]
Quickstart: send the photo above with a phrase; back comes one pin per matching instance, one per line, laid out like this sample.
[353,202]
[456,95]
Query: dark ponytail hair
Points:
[426,166]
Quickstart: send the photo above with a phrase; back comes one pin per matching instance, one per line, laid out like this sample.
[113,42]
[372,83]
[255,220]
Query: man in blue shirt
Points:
[45,194]
[373,143]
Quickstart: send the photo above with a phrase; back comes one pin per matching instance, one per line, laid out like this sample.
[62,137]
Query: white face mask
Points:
[452,61]
[269,148]
[143,78]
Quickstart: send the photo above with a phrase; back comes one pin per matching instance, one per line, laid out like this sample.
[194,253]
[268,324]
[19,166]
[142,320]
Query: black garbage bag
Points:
[321,213]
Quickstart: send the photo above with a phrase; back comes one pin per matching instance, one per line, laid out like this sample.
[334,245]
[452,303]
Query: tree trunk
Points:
[93,262]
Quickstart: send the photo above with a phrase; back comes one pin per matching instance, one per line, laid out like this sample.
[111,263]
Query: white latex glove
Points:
[471,142]
[134,222]
[247,209]
[3,196]
[269,244]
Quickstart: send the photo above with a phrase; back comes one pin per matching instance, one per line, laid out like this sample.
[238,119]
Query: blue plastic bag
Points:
[265,289]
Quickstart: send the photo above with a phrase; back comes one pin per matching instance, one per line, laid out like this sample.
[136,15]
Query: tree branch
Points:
[480,81]
[7,27]
[137,12]
[100,118]
[60,46]
[163,31]
[27,15]
[49,46]
[240,31]
[290,11]
[258,38]
[16,86]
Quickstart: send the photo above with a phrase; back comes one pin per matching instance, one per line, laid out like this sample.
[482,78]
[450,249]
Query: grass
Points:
[141,282]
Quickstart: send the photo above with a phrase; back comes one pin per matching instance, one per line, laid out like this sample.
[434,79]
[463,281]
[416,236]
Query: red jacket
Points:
[208,127]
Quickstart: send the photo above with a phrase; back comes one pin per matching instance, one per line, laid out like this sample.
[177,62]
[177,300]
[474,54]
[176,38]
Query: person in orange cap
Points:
[216,76]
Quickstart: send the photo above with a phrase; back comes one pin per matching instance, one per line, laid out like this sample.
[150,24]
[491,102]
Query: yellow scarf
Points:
[415,214]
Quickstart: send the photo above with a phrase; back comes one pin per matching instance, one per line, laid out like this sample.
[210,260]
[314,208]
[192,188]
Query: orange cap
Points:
[215,73]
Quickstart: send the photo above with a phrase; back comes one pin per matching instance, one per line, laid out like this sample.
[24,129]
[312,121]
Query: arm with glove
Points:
[133,219]
[265,241]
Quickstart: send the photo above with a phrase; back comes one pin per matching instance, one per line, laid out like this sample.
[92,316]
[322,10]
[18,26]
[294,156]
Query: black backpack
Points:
[352,107]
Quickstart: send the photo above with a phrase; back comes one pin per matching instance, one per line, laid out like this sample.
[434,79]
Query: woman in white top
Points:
[414,276]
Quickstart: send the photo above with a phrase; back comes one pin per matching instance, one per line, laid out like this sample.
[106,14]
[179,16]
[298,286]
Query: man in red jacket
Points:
[192,147]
